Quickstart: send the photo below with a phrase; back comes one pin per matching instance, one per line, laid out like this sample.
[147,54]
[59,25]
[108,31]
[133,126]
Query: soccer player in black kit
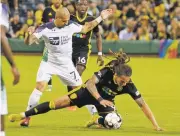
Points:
[82,43]
[100,90]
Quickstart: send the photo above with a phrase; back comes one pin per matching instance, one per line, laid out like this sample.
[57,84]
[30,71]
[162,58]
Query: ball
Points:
[113,120]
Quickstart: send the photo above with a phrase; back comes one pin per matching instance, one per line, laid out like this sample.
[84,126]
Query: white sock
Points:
[92,109]
[49,86]
[34,99]
[2,133]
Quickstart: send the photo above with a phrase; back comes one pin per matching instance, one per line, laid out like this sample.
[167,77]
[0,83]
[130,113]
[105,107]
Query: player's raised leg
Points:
[59,103]
[43,75]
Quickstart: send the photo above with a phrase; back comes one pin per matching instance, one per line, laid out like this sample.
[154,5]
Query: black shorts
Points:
[80,57]
[82,97]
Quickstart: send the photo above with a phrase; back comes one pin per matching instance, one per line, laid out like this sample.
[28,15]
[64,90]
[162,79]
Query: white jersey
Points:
[58,41]
[4,15]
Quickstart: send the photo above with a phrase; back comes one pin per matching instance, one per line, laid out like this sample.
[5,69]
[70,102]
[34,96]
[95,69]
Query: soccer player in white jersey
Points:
[57,36]
[4,26]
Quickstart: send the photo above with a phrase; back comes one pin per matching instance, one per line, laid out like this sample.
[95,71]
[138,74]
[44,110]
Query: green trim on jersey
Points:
[45,55]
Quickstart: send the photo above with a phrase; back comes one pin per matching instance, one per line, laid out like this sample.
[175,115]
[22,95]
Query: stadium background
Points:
[157,79]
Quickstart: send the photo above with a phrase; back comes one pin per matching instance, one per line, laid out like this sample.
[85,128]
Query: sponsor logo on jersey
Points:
[109,91]
[59,40]
[83,36]
[64,39]
[54,40]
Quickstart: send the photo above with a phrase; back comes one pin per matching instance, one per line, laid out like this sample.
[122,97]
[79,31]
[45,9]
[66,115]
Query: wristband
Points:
[16,12]
[99,19]
[100,99]
[100,53]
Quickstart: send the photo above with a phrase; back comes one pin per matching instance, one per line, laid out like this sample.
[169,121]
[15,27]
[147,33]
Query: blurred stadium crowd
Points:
[133,19]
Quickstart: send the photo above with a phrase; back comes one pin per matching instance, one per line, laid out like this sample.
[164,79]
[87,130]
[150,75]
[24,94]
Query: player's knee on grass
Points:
[41,86]
[80,69]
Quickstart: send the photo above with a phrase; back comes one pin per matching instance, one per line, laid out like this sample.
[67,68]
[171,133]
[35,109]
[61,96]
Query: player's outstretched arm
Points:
[90,85]
[100,60]
[90,25]
[147,111]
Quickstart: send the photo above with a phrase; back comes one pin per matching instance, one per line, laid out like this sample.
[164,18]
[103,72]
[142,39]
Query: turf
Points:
[156,79]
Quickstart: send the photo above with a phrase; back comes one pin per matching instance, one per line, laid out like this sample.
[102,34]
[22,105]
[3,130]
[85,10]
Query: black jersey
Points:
[49,14]
[80,40]
[108,89]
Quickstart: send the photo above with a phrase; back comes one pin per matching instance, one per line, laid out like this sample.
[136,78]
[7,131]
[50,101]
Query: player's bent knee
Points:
[80,69]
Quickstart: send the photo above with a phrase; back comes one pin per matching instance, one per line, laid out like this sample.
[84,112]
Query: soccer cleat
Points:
[72,108]
[93,121]
[25,122]
[49,88]
[15,117]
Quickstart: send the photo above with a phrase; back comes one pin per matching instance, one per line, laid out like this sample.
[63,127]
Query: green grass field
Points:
[156,79]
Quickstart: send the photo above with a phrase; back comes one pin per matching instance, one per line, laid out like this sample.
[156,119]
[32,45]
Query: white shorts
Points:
[4,15]
[66,72]
[3,101]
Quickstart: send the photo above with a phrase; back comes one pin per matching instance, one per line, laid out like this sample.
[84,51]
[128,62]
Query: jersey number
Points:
[81,60]
[73,73]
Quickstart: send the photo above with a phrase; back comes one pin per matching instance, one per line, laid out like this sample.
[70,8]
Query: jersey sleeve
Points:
[75,27]
[101,73]
[131,89]
[39,31]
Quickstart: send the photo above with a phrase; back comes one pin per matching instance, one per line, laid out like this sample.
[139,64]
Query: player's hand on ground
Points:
[100,60]
[106,103]
[16,75]
[106,13]
[31,29]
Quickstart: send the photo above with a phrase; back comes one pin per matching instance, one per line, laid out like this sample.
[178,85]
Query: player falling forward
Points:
[57,36]
[4,26]
[100,90]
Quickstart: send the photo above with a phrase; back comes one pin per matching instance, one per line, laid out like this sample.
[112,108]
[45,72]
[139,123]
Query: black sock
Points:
[101,121]
[69,88]
[50,82]
[39,109]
